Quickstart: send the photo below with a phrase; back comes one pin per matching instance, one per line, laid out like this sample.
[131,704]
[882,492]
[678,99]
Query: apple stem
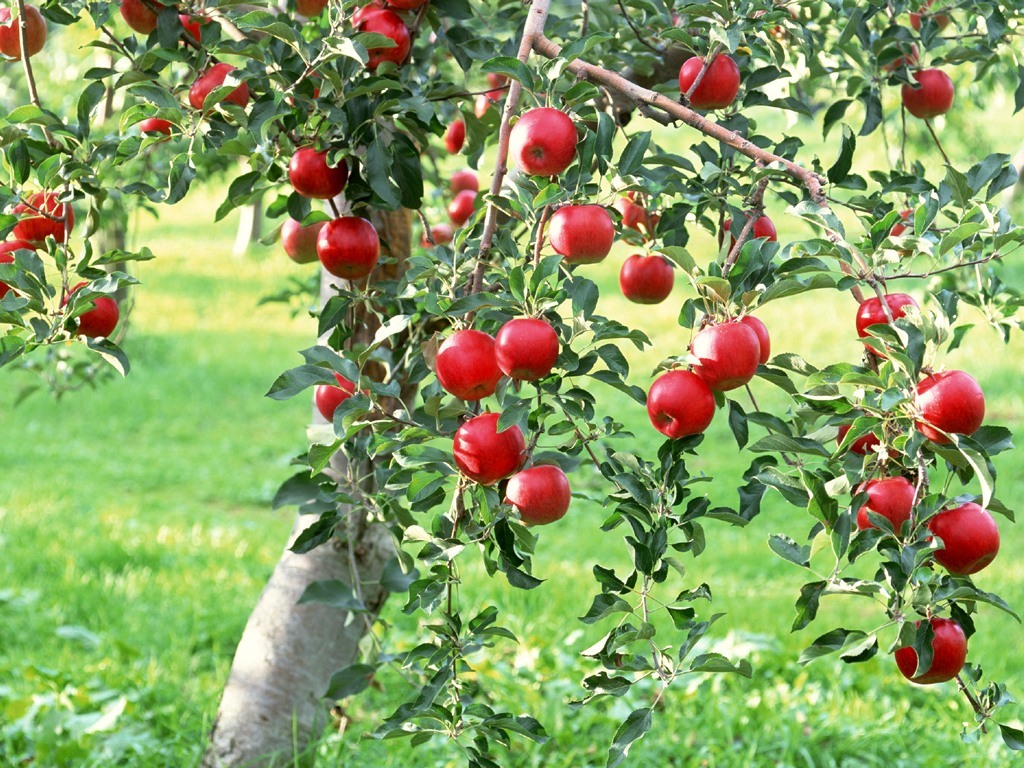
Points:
[538,242]
[981,712]
[938,143]
[640,38]
[33,92]
[334,207]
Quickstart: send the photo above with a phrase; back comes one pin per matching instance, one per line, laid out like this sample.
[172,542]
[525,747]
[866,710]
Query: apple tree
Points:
[461,369]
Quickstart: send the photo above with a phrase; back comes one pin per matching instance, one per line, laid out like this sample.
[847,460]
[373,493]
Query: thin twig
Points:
[703,71]
[636,31]
[938,143]
[539,240]
[950,268]
[755,210]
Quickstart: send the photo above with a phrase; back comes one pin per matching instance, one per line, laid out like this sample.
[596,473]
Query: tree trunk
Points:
[250,223]
[273,703]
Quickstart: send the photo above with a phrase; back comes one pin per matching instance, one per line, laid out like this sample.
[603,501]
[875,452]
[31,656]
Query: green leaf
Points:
[631,730]
[1012,737]
[511,67]
[332,592]
[841,169]
[716,662]
[788,549]
[349,681]
[632,156]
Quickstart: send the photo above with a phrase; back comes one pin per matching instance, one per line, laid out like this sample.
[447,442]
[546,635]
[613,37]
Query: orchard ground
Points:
[136,534]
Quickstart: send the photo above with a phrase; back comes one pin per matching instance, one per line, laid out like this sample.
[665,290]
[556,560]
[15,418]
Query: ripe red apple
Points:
[389,24]
[526,348]
[902,226]
[406,5]
[763,227]
[941,19]
[582,234]
[441,233]
[461,208]
[98,321]
[156,125]
[680,404]
[299,242]
[969,536]
[213,78]
[871,312]
[763,339]
[541,494]
[543,142]
[481,105]
[949,402]
[932,98]
[463,180]
[138,16]
[718,87]
[193,25]
[311,8]
[7,257]
[728,355]
[467,365]
[908,59]
[949,652]
[348,247]
[10,32]
[646,279]
[41,217]
[485,455]
[862,445]
[498,84]
[455,136]
[328,396]
[634,215]
[312,177]
[890,497]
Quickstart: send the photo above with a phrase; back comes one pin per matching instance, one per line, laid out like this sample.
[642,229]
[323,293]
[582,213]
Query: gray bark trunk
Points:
[250,225]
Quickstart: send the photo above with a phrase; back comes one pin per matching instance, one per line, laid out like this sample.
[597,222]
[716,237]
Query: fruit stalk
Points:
[755,210]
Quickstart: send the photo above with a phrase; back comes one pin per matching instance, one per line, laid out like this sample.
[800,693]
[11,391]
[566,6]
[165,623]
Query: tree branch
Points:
[755,210]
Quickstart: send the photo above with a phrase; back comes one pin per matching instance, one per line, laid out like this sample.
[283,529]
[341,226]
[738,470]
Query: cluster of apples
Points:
[934,93]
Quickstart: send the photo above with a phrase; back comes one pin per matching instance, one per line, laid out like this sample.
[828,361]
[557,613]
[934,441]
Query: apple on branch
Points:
[543,142]
[646,279]
[485,455]
[467,365]
[329,396]
[312,177]
[10,32]
[949,653]
[348,247]
[727,355]
[719,86]
[460,209]
[299,242]
[99,321]
[526,348]
[949,402]
[455,136]
[371,18]
[42,216]
[680,404]
[466,179]
[541,494]
[933,95]
[872,312]
[890,497]
[582,234]
[212,79]
[970,538]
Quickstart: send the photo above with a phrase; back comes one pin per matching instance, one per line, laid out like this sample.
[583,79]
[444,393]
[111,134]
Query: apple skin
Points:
[728,355]
[299,242]
[526,348]
[138,16]
[460,210]
[940,19]
[902,226]
[909,59]
[646,279]
[212,78]
[389,24]
[481,105]
[949,652]
[485,455]
[35,227]
[890,497]
[970,537]
[543,142]
[442,234]
[348,247]
[719,86]
[312,177]
[467,365]
[862,445]
[871,312]
[406,5]
[680,404]
[541,494]
[98,321]
[950,401]
[7,257]
[193,25]
[10,32]
[310,9]
[156,125]
[763,227]
[763,339]
[328,396]
[933,98]
[455,136]
[582,234]
[634,215]
[463,180]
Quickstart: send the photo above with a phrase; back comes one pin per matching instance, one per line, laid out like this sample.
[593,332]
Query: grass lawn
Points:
[136,534]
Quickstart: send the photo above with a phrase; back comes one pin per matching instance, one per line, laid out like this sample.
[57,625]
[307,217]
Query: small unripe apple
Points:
[455,136]
[680,404]
[42,216]
[389,24]
[949,653]
[467,365]
[311,176]
[212,79]
[890,497]
[763,339]
[485,455]
[727,355]
[98,321]
[138,15]
[646,279]
[348,247]
[933,96]
[526,348]
[541,494]
[718,87]
[466,179]
[299,242]
[460,210]
[328,396]
[10,32]
[582,234]
[872,312]
[969,536]
[543,142]
[941,19]
[950,402]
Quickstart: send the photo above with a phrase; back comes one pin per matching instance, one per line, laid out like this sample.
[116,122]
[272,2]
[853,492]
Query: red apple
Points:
[718,87]
[634,216]
[463,180]
[328,397]
[646,279]
[213,78]
[763,227]
[940,19]
[727,355]
[902,226]
[455,136]
[460,210]
[871,312]
[389,24]
[348,247]
[932,98]
[467,365]
[485,455]
[543,142]
[949,402]
[7,257]
[949,652]
[582,234]
[481,105]
[498,85]
[908,59]
[890,497]
[526,348]
[138,16]
[680,404]
[98,321]
[193,25]
[442,234]
[541,494]
[299,242]
[969,536]
[406,5]
[41,217]
[156,125]
[763,339]
[311,8]
[10,32]
[862,445]
[312,177]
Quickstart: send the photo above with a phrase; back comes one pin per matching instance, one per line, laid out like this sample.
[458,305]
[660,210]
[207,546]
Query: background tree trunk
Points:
[273,703]
[250,226]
